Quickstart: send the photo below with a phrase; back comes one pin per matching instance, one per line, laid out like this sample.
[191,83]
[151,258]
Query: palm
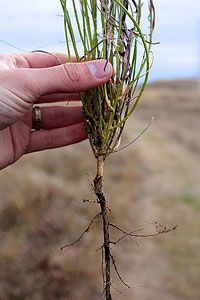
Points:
[64,125]
[14,141]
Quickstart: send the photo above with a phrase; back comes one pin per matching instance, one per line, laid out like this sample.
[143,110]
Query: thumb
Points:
[66,78]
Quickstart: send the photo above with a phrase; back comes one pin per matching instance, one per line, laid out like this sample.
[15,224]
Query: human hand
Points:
[33,78]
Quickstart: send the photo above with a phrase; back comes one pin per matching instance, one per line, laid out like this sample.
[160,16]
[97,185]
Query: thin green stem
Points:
[70,28]
[119,43]
[64,6]
[88,22]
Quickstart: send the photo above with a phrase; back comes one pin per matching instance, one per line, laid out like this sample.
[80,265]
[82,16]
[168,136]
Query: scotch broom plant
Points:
[110,30]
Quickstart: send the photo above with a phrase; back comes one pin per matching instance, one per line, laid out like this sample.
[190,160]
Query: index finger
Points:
[43,59]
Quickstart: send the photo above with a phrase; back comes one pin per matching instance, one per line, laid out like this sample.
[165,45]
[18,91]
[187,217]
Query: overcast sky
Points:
[35,24]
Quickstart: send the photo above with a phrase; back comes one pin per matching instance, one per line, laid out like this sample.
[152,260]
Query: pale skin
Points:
[34,78]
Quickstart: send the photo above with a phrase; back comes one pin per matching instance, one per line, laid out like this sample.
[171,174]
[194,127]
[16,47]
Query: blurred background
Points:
[156,180]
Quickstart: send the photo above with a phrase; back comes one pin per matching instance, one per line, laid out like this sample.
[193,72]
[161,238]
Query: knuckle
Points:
[72,72]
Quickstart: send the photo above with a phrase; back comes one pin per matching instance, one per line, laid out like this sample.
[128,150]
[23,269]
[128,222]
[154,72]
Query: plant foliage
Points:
[111,30]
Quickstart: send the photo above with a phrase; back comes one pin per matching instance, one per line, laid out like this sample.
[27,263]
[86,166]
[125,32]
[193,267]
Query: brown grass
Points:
[155,180]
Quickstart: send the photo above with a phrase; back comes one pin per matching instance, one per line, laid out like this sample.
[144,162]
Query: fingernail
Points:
[98,70]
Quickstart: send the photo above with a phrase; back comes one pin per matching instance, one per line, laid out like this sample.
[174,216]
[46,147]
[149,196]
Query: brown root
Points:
[108,259]
[98,189]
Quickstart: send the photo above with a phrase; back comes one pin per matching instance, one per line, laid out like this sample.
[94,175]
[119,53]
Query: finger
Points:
[58,116]
[67,78]
[46,59]
[59,97]
[55,138]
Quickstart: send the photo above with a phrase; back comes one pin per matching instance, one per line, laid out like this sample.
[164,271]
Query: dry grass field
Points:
[156,180]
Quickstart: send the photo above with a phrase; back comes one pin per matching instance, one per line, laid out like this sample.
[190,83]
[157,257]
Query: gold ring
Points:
[37,118]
